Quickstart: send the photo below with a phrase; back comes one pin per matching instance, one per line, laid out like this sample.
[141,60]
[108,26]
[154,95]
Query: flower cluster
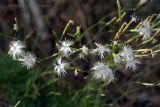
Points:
[126,55]
[110,55]
[101,70]
[16,51]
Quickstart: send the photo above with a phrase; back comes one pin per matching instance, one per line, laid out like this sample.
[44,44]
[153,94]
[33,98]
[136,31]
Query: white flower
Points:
[65,47]
[102,71]
[145,30]
[59,67]
[128,56]
[15,49]
[84,50]
[127,52]
[28,60]
[132,64]
[101,50]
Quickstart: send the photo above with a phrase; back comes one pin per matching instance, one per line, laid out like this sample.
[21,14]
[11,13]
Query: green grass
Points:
[33,90]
